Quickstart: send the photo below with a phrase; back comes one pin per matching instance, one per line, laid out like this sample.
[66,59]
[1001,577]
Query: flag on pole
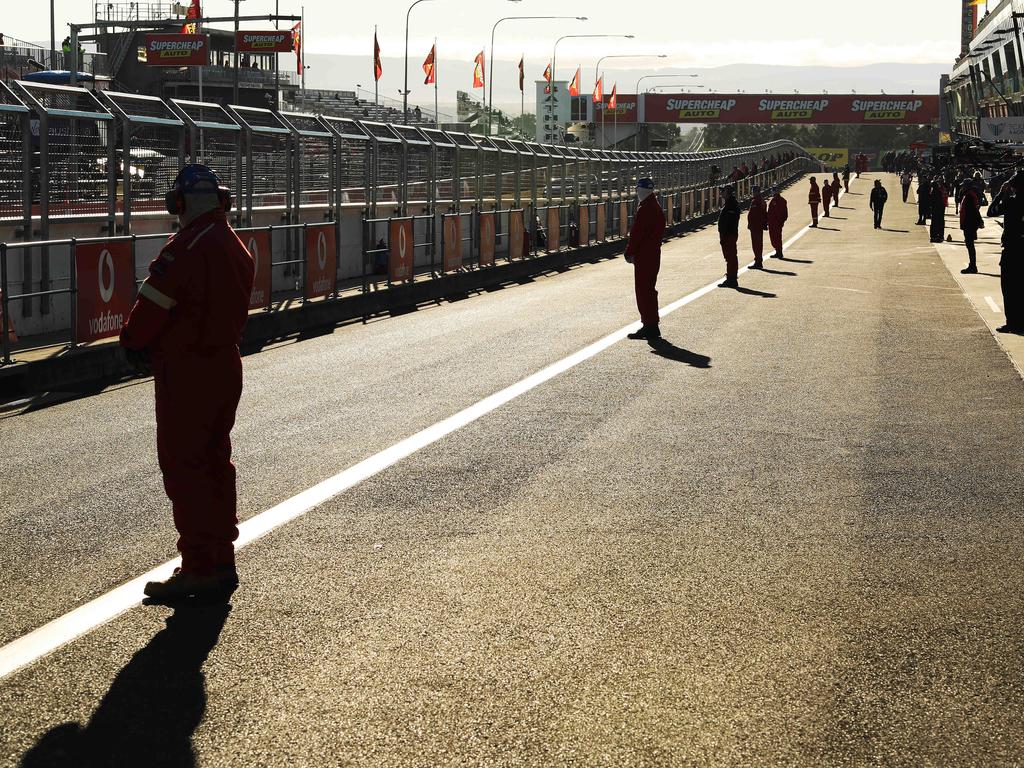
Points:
[194,12]
[613,102]
[574,86]
[297,45]
[547,76]
[378,70]
[522,73]
[478,71]
[599,90]
[428,66]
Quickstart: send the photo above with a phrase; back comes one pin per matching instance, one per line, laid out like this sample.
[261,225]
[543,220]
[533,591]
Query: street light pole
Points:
[490,76]
[554,55]
[636,136]
[53,40]
[235,89]
[597,68]
[405,90]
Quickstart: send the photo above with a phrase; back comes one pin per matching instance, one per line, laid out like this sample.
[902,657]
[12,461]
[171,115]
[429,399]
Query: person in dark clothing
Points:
[728,236]
[878,199]
[846,178]
[905,180]
[938,211]
[970,223]
[924,192]
[1010,204]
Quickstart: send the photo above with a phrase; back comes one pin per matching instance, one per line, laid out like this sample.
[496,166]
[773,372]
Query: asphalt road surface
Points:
[790,535]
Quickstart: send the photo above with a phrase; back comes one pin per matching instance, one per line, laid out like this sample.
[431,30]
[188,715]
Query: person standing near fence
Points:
[814,200]
[778,213]
[643,251]
[728,237]
[757,223]
[1009,204]
[187,323]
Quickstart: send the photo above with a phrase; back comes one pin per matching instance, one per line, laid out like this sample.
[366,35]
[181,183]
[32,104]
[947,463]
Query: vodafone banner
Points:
[487,239]
[271,41]
[258,244]
[400,254]
[797,108]
[321,261]
[516,235]
[177,50]
[602,229]
[584,227]
[452,243]
[105,277]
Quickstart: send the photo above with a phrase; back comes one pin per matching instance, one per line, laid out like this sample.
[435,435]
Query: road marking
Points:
[993,305]
[82,620]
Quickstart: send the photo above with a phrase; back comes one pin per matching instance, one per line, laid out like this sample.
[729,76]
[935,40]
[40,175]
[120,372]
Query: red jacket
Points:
[826,192]
[197,294]
[778,212]
[648,229]
[757,216]
[814,196]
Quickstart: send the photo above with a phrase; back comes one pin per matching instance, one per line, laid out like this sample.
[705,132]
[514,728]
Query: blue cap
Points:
[197,175]
[645,183]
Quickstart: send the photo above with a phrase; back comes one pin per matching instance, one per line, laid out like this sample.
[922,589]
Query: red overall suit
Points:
[837,184]
[814,199]
[757,223]
[189,315]
[778,212]
[728,235]
[644,247]
[826,197]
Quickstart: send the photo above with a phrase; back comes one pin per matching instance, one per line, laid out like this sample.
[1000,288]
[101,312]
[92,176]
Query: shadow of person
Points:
[795,261]
[904,231]
[664,348]
[154,705]
[828,229]
[777,272]
[752,292]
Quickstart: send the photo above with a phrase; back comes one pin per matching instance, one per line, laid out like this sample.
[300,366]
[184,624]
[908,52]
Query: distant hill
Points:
[344,72]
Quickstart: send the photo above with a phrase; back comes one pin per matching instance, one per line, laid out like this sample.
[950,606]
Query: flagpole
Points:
[604,111]
[302,26]
[522,105]
[376,82]
[437,117]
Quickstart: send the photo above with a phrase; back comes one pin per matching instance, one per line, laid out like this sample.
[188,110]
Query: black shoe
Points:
[729,283]
[969,270]
[182,584]
[776,255]
[757,265]
[645,332]
[1010,329]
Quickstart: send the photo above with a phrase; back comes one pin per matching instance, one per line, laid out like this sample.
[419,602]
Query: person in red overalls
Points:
[814,200]
[778,212]
[826,197]
[643,251]
[836,186]
[757,223]
[728,236]
[187,323]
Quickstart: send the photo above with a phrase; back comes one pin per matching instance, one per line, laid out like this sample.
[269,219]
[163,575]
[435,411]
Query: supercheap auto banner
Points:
[177,50]
[752,108]
[270,41]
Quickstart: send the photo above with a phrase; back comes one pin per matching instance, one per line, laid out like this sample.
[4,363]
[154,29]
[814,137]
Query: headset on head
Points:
[192,180]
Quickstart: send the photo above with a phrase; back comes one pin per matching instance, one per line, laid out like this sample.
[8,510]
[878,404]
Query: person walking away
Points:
[905,179]
[846,177]
[757,223]
[836,186]
[1010,204]
[814,200]
[826,197]
[643,251]
[878,199]
[728,236]
[778,213]
[187,323]
[924,192]
[938,213]
[970,223]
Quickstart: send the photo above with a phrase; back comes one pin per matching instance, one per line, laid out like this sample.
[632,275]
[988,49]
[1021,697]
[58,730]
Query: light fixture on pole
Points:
[490,76]
[636,136]
[554,56]
[597,68]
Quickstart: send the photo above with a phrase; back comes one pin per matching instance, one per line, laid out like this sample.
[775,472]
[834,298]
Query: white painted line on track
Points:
[78,622]
[994,307]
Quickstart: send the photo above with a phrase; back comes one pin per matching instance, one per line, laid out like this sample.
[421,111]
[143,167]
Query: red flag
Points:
[522,74]
[599,90]
[613,102]
[194,12]
[478,71]
[378,70]
[297,44]
[428,66]
[574,86]
[547,76]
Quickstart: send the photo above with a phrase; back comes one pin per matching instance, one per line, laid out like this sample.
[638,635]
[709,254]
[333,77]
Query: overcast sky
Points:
[693,34]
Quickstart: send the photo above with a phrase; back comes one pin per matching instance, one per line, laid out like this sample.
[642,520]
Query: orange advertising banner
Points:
[554,229]
[516,235]
[266,41]
[667,204]
[402,250]
[583,239]
[175,50]
[321,260]
[452,243]
[623,219]
[105,276]
[258,245]
[602,222]
[486,239]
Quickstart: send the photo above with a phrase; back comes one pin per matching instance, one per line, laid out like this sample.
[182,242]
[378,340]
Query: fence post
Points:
[5,315]
[362,256]
[270,266]
[73,272]
[303,265]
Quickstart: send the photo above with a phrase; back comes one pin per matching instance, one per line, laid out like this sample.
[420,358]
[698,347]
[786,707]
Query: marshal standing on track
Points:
[187,322]
[643,251]
[1010,204]
[728,236]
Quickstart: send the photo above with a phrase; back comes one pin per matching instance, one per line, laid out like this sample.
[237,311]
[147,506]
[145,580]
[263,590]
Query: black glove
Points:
[139,360]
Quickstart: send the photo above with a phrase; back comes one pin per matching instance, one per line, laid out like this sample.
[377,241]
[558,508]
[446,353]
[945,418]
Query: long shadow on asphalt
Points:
[153,706]
[828,229]
[904,231]
[664,348]
[777,272]
[795,261]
